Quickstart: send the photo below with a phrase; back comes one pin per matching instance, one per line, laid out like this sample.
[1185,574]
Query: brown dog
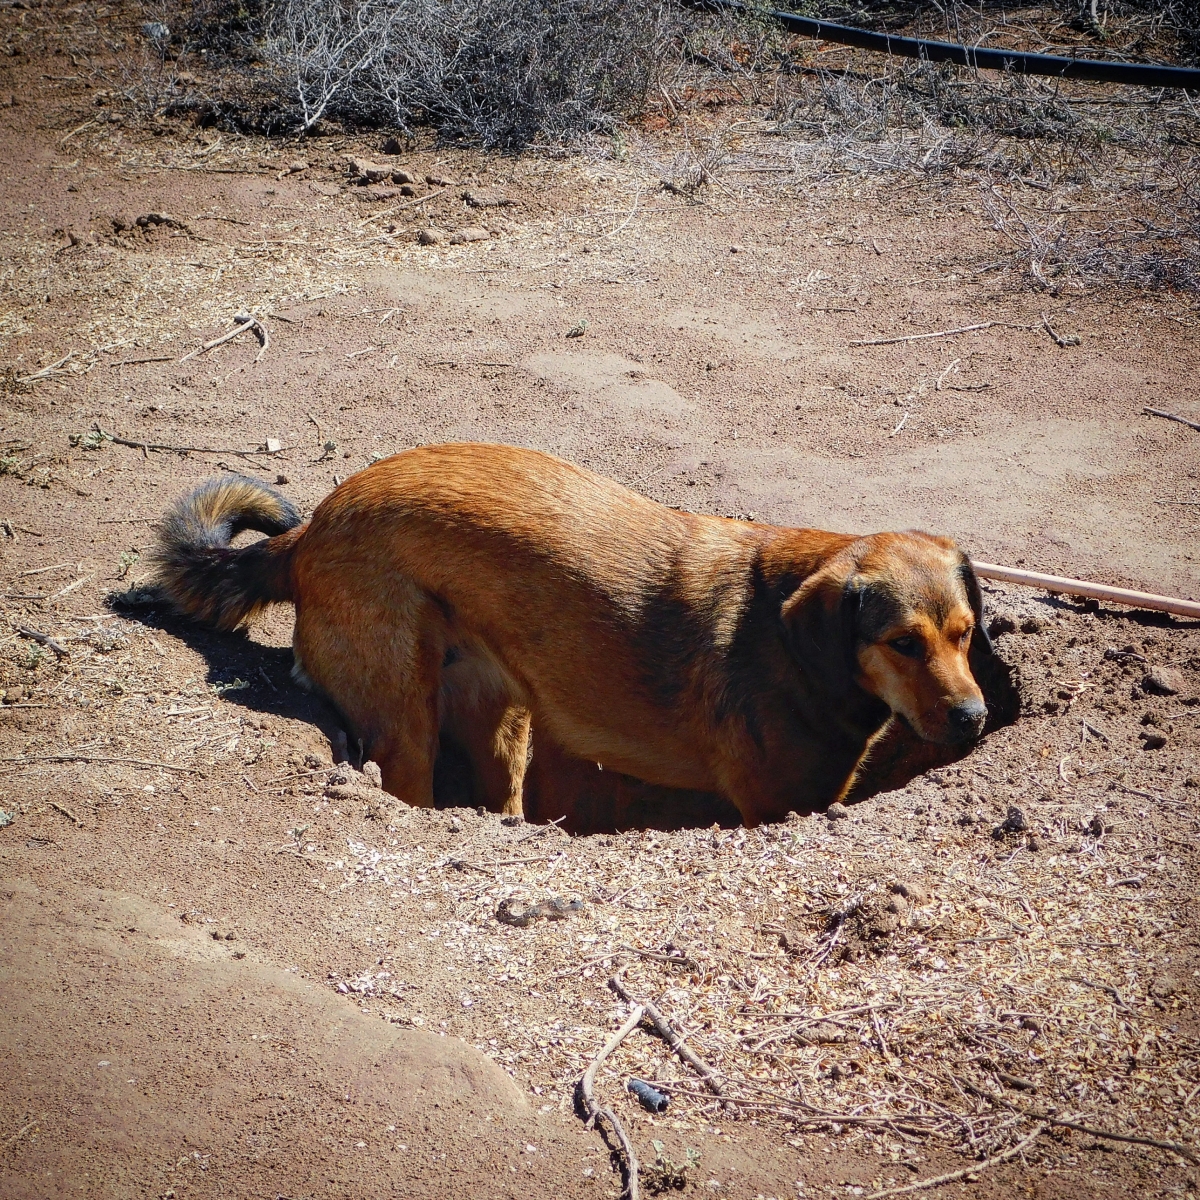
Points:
[460,593]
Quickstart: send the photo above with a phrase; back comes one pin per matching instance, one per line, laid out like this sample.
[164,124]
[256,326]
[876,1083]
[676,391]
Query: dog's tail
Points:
[207,578]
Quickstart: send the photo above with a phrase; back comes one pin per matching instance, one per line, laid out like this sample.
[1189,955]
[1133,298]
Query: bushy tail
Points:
[207,578]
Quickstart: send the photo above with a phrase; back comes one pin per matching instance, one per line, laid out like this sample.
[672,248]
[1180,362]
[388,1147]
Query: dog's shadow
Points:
[244,671]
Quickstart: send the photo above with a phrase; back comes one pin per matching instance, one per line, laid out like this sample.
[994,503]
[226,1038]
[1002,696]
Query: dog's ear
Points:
[820,622]
[967,574]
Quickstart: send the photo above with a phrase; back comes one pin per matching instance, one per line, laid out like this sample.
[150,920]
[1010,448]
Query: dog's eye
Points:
[910,647]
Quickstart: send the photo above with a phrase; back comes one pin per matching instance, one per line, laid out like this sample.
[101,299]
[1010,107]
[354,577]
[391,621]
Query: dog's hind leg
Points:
[483,715]
[380,663]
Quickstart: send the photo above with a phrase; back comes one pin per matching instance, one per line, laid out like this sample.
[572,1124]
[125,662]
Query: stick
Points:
[1070,339]
[387,212]
[248,321]
[66,812]
[44,639]
[941,333]
[130,362]
[938,1180]
[1170,416]
[1096,591]
[594,1111]
[27,760]
[665,1031]
[120,441]
[1091,1130]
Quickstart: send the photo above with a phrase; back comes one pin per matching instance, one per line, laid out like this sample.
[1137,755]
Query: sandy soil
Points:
[220,979]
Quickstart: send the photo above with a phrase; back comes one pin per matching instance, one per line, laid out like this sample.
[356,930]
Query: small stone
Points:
[273,445]
[455,825]
[280,480]
[431,237]
[408,190]
[403,177]
[439,181]
[295,167]
[837,811]
[364,171]
[472,233]
[1163,681]
[1014,822]
[487,198]
[380,193]
[372,774]
[1032,625]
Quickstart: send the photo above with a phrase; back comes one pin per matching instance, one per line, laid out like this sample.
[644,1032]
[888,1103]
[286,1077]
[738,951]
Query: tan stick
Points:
[120,441]
[1170,416]
[1091,1130]
[387,212]
[587,1086]
[941,333]
[666,1031]
[30,760]
[44,639]
[1080,587]
[938,1180]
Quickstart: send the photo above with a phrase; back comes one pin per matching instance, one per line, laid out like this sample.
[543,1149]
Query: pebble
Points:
[431,237]
[472,233]
[403,177]
[1164,681]
[1163,986]
[364,171]
[837,811]
[1032,625]
[455,825]
[1014,822]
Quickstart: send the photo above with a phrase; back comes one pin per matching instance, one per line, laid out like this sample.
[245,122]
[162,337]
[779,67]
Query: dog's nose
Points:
[966,719]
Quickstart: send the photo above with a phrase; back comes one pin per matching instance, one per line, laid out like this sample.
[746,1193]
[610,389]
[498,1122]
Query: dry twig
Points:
[44,639]
[1170,416]
[587,1094]
[666,1031]
[937,1180]
[121,441]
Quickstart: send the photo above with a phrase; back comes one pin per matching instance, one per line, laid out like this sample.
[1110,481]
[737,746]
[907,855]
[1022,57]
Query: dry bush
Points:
[488,73]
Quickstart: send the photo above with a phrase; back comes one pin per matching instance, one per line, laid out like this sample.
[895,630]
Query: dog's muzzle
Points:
[965,720]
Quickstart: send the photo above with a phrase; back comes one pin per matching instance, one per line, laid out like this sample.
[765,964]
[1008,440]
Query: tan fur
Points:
[469,592]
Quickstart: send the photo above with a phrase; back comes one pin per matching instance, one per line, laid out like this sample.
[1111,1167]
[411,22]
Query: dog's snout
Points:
[965,719]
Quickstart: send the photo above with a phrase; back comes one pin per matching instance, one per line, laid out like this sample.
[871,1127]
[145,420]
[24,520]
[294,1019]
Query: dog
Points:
[460,595]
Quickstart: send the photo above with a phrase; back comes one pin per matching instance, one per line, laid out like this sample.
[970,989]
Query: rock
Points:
[837,811]
[431,237]
[403,177]
[372,774]
[1001,624]
[472,233]
[455,825]
[295,167]
[408,190]
[487,198]
[379,193]
[362,170]
[824,1033]
[280,480]
[1013,823]
[1163,681]
[1032,625]
[439,181]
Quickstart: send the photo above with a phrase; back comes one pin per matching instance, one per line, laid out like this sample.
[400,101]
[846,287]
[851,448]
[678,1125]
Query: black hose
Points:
[1056,65]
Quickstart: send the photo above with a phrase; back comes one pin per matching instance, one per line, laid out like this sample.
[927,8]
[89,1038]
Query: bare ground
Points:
[222,977]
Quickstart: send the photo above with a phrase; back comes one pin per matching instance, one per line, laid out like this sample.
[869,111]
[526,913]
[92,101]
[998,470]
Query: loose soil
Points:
[222,975]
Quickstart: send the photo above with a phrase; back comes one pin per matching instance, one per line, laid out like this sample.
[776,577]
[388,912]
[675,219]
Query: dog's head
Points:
[895,615]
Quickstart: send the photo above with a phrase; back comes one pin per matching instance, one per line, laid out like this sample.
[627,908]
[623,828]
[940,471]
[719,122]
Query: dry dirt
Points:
[221,976]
